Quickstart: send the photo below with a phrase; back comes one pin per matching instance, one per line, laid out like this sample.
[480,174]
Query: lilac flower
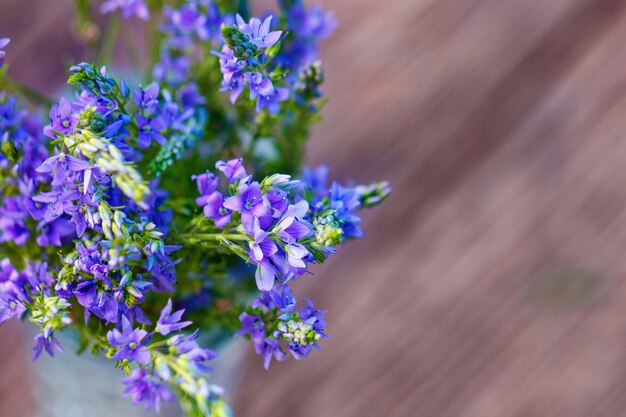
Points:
[144,388]
[265,276]
[61,166]
[50,234]
[292,227]
[129,343]
[284,300]
[249,202]
[214,209]
[62,119]
[147,98]
[260,85]
[12,217]
[296,255]
[130,8]
[3,42]
[270,101]
[269,348]
[251,325]
[168,322]
[259,32]
[48,343]
[207,184]
[233,169]
[150,129]
[262,247]
[188,346]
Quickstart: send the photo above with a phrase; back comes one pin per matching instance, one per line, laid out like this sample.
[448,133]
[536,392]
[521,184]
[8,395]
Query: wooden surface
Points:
[492,281]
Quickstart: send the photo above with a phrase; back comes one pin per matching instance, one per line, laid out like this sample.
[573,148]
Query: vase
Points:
[85,385]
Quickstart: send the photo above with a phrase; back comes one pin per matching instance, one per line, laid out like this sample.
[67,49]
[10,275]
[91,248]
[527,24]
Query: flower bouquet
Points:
[140,215]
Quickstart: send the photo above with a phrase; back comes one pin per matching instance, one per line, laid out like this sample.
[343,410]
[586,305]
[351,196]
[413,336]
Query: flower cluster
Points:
[280,226]
[244,59]
[111,225]
[308,27]
[273,321]
[173,364]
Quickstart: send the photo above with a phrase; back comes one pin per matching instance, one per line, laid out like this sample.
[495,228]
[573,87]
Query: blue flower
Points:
[47,343]
[129,343]
[259,33]
[62,166]
[169,322]
[233,169]
[150,129]
[144,387]
[249,202]
[3,43]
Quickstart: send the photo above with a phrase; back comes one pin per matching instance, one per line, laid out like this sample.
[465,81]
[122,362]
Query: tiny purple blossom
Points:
[150,129]
[214,209]
[270,101]
[259,32]
[233,169]
[3,42]
[147,98]
[251,325]
[144,388]
[62,119]
[249,202]
[48,343]
[269,348]
[62,165]
[262,247]
[207,184]
[129,343]
[169,322]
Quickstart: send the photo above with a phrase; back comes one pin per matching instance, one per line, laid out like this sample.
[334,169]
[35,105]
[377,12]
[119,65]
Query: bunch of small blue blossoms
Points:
[150,221]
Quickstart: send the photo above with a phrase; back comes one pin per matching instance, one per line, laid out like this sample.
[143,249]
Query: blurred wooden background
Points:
[492,282]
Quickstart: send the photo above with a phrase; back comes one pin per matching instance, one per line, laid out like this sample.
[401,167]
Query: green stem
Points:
[108,43]
[215,236]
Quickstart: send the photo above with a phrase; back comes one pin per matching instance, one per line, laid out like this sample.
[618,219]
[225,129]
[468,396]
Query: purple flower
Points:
[150,129]
[168,322]
[129,343]
[270,101]
[62,119]
[259,32]
[50,234]
[214,209]
[144,388]
[265,276]
[292,227]
[61,166]
[269,348]
[207,184]
[251,325]
[3,42]
[249,203]
[187,345]
[48,343]
[147,98]
[284,300]
[12,217]
[233,169]
[260,85]
[130,8]
[262,247]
